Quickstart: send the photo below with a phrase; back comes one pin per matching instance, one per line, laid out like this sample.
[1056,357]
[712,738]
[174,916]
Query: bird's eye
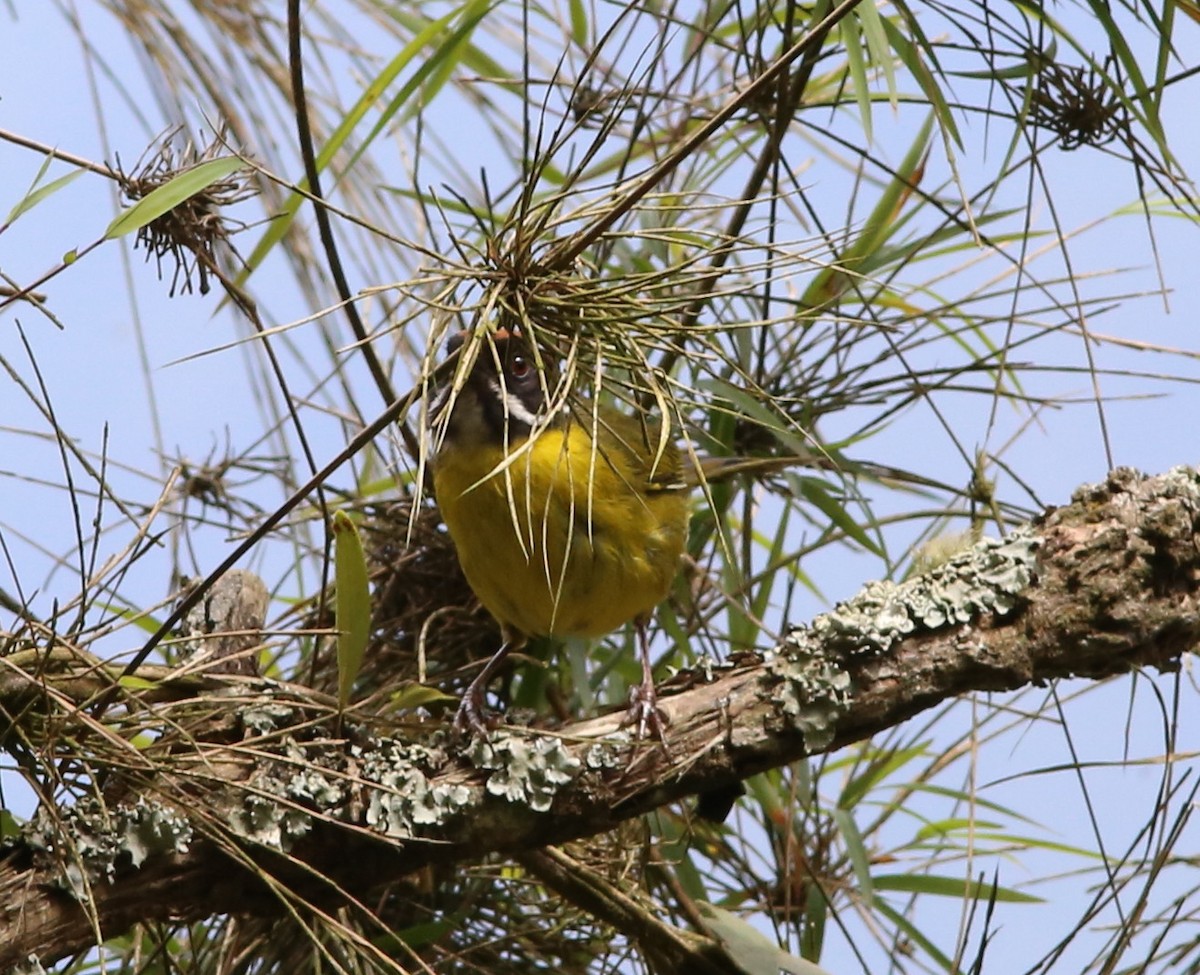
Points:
[519,367]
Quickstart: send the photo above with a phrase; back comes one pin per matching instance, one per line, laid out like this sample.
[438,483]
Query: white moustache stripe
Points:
[439,403]
[513,407]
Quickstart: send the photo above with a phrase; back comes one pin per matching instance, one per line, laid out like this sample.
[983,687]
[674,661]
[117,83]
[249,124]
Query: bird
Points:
[567,523]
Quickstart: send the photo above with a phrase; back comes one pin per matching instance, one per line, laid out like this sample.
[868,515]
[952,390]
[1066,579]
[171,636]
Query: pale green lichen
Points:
[394,778]
[312,787]
[404,796]
[814,686]
[268,716]
[530,770]
[286,798]
[148,829]
[813,690]
[1182,482]
[266,820]
[609,752]
[988,577]
[89,840]
[1176,507]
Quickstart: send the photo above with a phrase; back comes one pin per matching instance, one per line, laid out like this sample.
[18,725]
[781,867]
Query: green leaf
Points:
[415,695]
[691,879]
[139,618]
[958,887]
[579,23]
[352,609]
[35,196]
[981,832]
[436,69]
[752,409]
[867,14]
[816,914]
[776,553]
[860,860]
[879,765]
[10,826]
[857,63]
[751,950]
[910,55]
[172,193]
[943,828]
[132,683]
[680,846]
[884,221]
[816,493]
[916,936]
[958,795]
[419,935]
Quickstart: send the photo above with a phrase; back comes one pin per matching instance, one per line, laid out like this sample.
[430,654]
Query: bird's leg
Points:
[469,719]
[643,699]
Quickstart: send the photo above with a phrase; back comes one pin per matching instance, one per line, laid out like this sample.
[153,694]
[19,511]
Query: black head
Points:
[504,397]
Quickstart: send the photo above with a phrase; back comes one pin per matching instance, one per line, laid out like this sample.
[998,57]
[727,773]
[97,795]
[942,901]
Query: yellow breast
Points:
[559,538]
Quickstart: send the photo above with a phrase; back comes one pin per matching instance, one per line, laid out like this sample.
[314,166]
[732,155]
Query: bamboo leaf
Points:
[816,493]
[856,62]
[415,695]
[776,547]
[883,222]
[167,197]
[867,15]
[816,915]
[436,69]
[911,56]
[856,848]
[352,609]
[579,23]
[959,887]
[35,196]
[879,766]
[917,936]
[751,950]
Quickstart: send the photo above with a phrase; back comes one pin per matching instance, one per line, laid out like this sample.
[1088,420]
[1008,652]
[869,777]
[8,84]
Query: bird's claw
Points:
[645,713]
[470,720]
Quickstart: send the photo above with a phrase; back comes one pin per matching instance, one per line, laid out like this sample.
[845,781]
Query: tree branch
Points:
[264,805]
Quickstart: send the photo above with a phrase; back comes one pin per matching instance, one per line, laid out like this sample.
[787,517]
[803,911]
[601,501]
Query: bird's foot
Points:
[645,713]
[471,719]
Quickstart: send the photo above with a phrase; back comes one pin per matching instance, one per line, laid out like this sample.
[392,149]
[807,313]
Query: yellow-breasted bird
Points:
[565,526]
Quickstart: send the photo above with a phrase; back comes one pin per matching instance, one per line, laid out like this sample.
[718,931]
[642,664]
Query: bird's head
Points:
[501,398]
